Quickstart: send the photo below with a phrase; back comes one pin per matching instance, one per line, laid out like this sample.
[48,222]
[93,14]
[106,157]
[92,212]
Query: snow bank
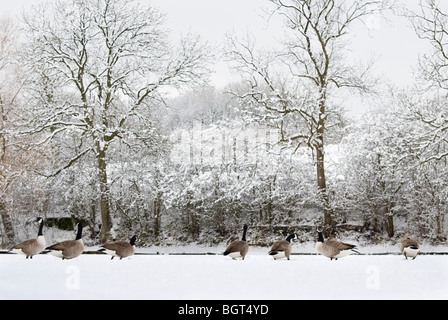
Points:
[298,248]
[211,277]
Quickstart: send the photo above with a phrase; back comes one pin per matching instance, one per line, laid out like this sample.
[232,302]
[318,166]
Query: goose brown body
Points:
[333,249]
[68,249]
[239,248]
[31,247]
[121,249]
[282,248]
[410,248]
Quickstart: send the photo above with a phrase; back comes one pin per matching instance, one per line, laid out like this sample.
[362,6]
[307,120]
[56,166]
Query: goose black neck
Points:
[79,234]
[41,227]
[320,236]
[290,237]
[244,233]
[133,240]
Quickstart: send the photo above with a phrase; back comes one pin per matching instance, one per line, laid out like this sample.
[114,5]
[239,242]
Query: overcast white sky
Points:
[393,43]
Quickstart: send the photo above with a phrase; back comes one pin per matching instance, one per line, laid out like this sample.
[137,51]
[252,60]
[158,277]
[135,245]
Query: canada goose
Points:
[333,249]
[121,249]
[409,248]
[69,249]
[239,248]
[282,248]
[33,246]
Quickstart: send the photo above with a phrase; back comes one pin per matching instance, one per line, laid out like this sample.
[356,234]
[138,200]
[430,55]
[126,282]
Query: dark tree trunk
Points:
[9,236]
[320,166]
[104,197]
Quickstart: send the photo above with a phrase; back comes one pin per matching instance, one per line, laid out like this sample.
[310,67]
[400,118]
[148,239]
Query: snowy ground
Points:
[213,277]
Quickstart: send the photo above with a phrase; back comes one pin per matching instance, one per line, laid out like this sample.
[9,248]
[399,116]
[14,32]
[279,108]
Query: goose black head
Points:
[292,236]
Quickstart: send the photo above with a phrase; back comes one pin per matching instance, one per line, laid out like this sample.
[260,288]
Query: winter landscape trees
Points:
[295,85]
[105,118]
[101,64]
[7,175]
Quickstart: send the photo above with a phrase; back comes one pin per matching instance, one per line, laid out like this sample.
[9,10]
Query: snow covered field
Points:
[215,277]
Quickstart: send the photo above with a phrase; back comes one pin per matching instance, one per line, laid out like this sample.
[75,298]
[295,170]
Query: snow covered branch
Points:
[104,64]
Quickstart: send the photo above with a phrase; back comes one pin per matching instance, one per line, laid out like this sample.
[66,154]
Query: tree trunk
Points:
[322,186]
[389,218]
[9,237]
[320,165]
[389,223]
[388,207]
[157,210]
[104,197]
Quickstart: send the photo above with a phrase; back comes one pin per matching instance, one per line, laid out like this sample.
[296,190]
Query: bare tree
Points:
[426,105]
[430,23]
[101,66]
[295,86]
[11,83]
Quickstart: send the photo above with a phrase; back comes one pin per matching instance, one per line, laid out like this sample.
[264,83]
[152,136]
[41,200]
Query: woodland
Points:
[106,119]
